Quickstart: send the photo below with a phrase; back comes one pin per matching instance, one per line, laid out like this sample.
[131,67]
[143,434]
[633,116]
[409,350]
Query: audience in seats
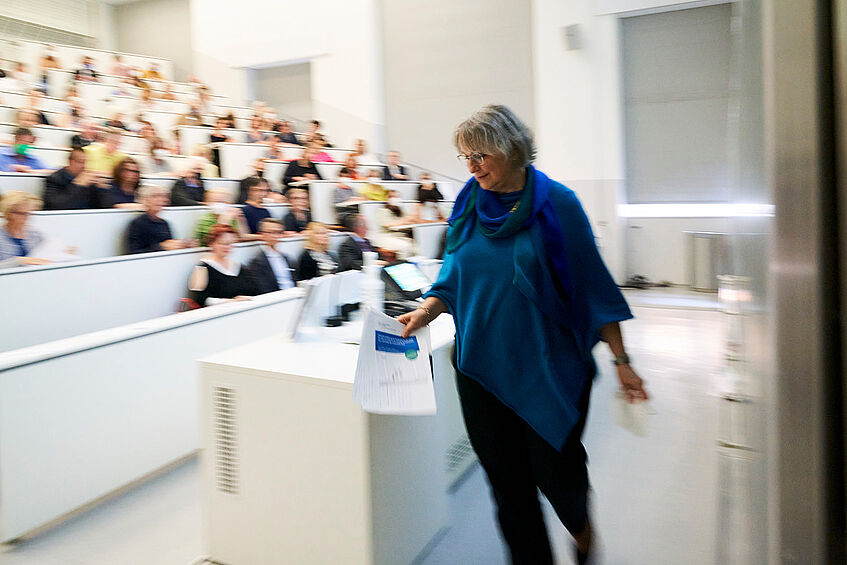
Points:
[153,73]
[360,153]
[71,187]
[254,209]
[352,165]
[28,119]
[374,189]
[218,135]
[192,117]
[301,170]
[318,153]
[157,163]
[48,61]
[86,72]
[270,270]
[285,134]
[344,193]
[388,217]
[299,216]
[219,278]
[254,134]
[314,131]
[123,191]
[394,170]
[350,252]
[220,212]
[168,93]
[35,104]
[189,189]
[316,260]
[203,154]
[86,136]
[119,68]
[426,209]
[17,239]
[274,152]
[149,232]
[116,122]
[258,171]
[103,157]
[18,158]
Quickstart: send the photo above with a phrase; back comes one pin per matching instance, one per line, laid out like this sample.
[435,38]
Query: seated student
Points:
[343,191]
[17,238]
[71,187]
[123,191]
[193,117]
[299,216]
[316,259]
[35,103]
[313,131]
[219,278]
[350,252]
[104,156]
[285,134]
[203,153]
[318,153]
[258,171]
[426,209]
[168,93]
[18,159]
[149,232]
[153,73]
[274,152]
[394,170]
[254,209]
[220,212]
[255,134]
[303,169]
[116,122]
[157,163]
[86,136]
[352,165]
[189,189]
[270,270]
[218,135]
[119,68]
[86,72]
[27,119]
[374,190]
[390,216]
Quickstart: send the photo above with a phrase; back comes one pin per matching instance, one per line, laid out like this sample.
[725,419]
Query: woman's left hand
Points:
[631,384]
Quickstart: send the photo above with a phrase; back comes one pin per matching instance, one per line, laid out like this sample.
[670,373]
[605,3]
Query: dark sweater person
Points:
[254,211]
[71,188]
[189,190]
[149,232]
[303,169]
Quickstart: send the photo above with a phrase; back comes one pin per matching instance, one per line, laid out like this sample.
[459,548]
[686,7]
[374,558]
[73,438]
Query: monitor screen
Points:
[408,277]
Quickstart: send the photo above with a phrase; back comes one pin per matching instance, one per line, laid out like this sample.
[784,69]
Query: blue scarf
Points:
[534,210]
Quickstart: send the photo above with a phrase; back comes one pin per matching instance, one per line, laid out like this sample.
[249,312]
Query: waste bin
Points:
[706,254]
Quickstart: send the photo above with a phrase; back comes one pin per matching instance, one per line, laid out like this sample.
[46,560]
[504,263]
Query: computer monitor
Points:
[405,279]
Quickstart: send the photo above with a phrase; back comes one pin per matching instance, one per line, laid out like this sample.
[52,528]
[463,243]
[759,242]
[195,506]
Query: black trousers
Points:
[517,462]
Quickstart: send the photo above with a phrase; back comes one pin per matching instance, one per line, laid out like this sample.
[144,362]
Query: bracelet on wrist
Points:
[621,360]
[427,310]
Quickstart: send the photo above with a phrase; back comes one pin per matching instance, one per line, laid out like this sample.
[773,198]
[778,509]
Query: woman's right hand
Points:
[414,320]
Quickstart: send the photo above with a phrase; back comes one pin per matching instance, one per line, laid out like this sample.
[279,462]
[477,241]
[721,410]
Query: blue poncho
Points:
[528,292]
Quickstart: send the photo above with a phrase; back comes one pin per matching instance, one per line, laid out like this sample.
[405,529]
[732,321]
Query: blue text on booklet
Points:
[390,343]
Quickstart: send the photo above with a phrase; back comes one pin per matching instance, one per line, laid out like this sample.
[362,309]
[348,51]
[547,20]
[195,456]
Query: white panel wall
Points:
[340,37]
[460,56]
[75,16]
[287,88]
[161,28]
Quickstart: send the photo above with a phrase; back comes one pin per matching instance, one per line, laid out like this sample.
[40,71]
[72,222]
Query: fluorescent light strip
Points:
[695,210]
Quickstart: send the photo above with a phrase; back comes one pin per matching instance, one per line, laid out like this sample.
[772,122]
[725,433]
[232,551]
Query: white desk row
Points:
[34,183]
[61,300]
[59,79]
[103,233]
[84,417]
[53,136]
[237,159]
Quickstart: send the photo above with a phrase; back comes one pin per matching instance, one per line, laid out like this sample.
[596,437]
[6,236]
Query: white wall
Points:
[340,38]
[446,59]
[161,28]
[75,16]
[286,88]
[578,113]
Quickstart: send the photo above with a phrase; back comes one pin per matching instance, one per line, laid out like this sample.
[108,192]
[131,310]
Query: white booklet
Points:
[393,374]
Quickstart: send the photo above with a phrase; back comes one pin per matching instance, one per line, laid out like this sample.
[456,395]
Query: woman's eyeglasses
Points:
[476,158]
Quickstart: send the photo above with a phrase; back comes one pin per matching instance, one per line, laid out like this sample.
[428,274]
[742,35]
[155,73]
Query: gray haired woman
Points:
[530,297]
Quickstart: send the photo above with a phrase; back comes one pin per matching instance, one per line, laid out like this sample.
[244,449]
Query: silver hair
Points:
[147,190]
[495,129]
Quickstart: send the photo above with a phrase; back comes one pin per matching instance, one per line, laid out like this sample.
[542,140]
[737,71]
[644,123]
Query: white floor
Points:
[654,502]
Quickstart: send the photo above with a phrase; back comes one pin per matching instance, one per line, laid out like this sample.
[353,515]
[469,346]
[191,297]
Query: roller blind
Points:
[676,101]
